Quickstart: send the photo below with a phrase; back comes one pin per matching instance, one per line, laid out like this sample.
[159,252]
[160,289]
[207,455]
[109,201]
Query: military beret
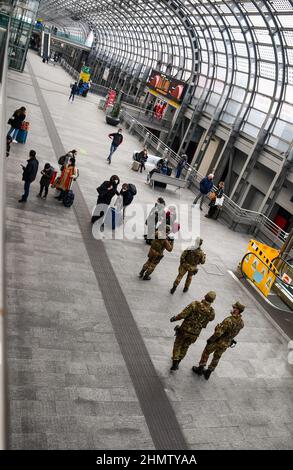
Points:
[239,306]
[210,296]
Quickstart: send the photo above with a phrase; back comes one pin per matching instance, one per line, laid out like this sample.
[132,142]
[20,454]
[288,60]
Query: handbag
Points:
[212,196]
[219,201]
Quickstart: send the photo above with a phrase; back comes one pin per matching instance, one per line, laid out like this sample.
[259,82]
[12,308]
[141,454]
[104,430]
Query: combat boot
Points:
[185,289]
[207,373]
[141,273]
[146,277]
[175,365]
[173,289]
[198,370]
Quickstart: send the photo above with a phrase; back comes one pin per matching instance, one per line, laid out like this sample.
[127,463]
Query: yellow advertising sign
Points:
[259,268]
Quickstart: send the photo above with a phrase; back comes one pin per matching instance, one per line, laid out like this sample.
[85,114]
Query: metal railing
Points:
[233,215]
[148,117]
[96,88]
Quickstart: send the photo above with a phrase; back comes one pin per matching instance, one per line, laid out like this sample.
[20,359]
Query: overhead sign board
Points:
[167,86]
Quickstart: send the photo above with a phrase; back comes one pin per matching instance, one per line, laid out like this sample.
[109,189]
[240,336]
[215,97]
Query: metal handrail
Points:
[237,215]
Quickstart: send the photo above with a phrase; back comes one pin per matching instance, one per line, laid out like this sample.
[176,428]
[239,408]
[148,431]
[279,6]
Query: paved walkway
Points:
[73,382]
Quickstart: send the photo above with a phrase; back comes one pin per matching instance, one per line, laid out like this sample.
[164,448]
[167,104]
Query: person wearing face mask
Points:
[117,139]
[106,192]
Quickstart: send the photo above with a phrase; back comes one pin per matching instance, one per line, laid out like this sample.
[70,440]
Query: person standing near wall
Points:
[206,185]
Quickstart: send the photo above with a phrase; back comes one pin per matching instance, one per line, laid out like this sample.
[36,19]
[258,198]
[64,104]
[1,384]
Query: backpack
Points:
[132,189]
[62,159]
[68,199]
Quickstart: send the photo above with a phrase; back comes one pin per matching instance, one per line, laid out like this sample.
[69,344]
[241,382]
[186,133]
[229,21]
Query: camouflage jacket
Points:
[227,330]
[196,316]
[159,245]
[191,258]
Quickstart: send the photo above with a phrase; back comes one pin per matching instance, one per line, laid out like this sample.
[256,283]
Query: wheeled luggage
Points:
[68,198]
[135,166]
[21,136]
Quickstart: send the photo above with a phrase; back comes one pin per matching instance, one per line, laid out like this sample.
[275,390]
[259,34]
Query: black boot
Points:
[141,273]
[207,373]
[173,289]
[146,277]
[175,365]
[198,370]
[185,289]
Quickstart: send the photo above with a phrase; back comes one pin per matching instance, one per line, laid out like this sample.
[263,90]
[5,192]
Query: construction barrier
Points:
[258,267]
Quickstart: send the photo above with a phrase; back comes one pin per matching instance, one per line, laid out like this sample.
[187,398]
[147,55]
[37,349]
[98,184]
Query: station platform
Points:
[88,343]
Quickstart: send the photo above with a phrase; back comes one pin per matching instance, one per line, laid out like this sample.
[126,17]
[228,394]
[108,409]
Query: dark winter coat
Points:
[17,120]
[127,197]
[31,170]
[46,177]
[106,195]
[117,138]
[206,185]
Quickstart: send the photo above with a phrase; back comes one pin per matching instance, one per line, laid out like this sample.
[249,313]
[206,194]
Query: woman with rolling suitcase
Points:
[16,122]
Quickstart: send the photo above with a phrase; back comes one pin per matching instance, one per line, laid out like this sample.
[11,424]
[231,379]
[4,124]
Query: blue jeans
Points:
[178,173]
[112,150]
[13,132]
[26,190]
[72,96]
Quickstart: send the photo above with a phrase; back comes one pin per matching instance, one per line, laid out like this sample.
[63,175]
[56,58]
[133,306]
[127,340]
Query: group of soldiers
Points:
[196,315]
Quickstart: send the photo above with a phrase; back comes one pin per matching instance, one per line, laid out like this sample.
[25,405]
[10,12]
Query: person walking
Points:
[106,192]
[162,242]
[181,165]
[16,122]
[217,202]
[142,158]
[47,174]
[69,173]
[189,261]
[117,139]
[206,185]
[74,91]
[29,174]
[196,316]
[222,339]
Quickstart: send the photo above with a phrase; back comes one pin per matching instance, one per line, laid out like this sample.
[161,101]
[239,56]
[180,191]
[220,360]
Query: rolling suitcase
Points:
[21,136]
[68,198]
[135,166]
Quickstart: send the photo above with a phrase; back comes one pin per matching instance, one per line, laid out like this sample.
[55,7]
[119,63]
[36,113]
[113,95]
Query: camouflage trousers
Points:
[182,271]
[181,345]
[217,349]
[150,265]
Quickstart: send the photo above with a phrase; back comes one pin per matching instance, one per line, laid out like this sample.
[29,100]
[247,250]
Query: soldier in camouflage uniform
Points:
[222,339]
[196,316]
[189,261]
[158,246]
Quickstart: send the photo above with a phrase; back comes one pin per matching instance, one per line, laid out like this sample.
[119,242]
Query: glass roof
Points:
[239,54]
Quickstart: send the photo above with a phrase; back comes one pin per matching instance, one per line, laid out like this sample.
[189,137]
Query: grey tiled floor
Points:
[68,383]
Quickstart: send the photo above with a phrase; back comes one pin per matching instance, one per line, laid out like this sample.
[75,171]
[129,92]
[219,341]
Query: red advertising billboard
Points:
[167,86]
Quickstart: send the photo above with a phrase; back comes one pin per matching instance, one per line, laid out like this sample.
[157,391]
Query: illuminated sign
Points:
[167,86]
